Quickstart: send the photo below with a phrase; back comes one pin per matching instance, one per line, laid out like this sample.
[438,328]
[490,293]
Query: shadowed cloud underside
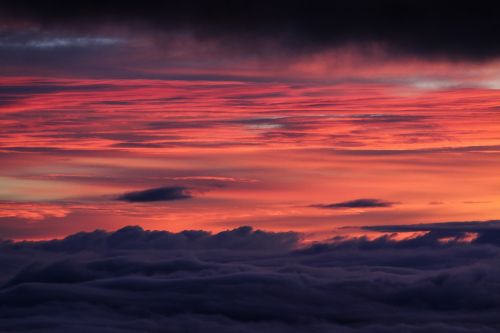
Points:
[156,194]
[357,203]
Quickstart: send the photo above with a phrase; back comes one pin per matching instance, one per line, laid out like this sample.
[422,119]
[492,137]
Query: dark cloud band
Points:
[358,203]
[460,30]
[157,194]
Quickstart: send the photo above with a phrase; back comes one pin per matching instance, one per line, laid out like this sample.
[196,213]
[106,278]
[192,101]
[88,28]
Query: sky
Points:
[318,118]
[277,166]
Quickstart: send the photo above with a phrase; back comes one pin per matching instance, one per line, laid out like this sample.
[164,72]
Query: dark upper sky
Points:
[450,29]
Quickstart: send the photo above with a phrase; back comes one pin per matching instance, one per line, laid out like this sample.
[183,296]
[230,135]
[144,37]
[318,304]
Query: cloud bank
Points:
[243,280]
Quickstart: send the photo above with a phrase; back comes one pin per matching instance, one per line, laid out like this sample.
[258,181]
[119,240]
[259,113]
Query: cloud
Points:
[449,226]
[387,118]
[32,41]
[485,232]
[157,194]
[358,203]
[38,88]
[424,28]
[245,280]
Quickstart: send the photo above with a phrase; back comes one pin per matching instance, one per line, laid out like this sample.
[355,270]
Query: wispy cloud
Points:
[34,41]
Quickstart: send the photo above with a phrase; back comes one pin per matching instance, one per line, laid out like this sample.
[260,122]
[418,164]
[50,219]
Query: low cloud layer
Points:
[157,194]
[243,280]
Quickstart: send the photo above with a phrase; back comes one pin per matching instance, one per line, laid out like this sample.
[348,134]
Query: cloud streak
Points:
[171,193]
[358,203]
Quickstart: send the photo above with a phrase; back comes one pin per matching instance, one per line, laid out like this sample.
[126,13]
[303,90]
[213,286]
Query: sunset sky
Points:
[249,166]
[214,122]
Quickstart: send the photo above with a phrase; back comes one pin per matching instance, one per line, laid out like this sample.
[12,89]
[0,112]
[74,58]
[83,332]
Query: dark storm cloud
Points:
[243,280]
[358,203]
[157,194]
[426,28]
